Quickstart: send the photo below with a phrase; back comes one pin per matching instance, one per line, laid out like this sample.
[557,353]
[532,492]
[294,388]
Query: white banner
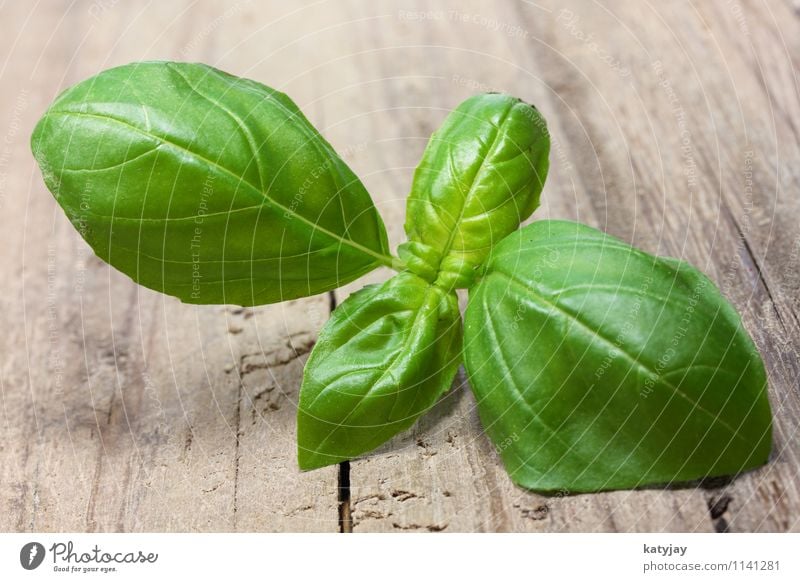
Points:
[406,557]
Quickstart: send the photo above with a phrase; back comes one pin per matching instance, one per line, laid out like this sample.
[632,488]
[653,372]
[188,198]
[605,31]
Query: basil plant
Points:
[595,365]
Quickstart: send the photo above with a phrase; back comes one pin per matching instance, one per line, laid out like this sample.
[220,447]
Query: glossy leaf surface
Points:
[598,366]
[205,186]
[479,178]
[386,356]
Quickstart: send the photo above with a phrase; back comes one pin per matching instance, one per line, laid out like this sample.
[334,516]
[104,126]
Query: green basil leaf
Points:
[386,356]
[598,366]
[479,178]
[205,186]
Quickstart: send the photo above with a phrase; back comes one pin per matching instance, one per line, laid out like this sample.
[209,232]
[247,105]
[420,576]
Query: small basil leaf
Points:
[385,356]
[598,366]
[205,186]
[479,178]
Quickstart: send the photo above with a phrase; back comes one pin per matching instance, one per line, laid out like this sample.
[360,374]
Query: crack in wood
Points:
[402,495]
[276,357]
[343,479]
[717,507]
[417,527]
[754,263]
[345,511]
[237,450]
[536,513]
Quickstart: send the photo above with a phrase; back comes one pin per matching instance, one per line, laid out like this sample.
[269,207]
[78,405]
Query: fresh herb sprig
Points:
[595,365]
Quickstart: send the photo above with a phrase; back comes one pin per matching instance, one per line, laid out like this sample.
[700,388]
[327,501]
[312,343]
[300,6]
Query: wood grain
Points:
[675,126]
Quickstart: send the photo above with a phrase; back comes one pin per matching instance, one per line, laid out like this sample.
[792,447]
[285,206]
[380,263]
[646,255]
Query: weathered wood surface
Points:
[676,126]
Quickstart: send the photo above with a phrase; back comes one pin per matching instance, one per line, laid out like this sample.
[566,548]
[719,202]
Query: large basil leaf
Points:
[597,366]
[479,178]
[205,186]
[385,356]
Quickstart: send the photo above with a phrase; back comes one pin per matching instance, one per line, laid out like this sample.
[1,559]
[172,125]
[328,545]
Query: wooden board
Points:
[675,127]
